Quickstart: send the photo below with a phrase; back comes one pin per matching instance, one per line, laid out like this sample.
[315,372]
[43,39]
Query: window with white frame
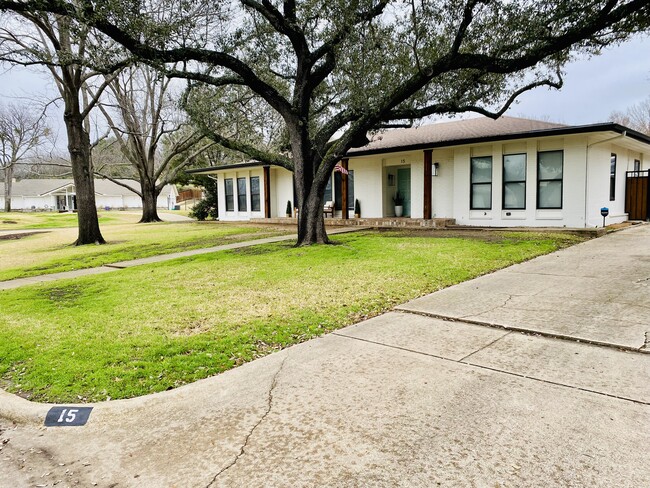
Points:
[255,194]
[514,181]
[612,177]
[229,193]
[550,171]
[241,195]
[481,183]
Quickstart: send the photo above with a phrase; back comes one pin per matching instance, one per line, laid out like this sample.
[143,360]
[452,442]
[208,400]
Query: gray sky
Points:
[593,88]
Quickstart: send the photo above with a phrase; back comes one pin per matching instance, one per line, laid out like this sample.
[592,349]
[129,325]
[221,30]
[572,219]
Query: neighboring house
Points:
[480,172]
[59,194]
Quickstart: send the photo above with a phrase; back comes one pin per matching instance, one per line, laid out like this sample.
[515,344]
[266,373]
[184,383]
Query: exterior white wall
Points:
[599,181]
[585,182]
[281,191]
[573,184]
[20,202]
[368,188]
[240,214]
[442,186]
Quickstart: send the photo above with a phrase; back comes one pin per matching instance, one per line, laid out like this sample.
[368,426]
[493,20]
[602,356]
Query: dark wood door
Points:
[636,195]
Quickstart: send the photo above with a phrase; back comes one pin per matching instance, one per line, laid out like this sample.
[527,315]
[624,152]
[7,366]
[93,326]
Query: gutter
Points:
[589,146]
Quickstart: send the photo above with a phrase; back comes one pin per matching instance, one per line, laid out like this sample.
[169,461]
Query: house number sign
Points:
[63,416]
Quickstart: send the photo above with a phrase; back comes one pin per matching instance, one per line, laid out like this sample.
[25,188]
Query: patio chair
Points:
[328,208]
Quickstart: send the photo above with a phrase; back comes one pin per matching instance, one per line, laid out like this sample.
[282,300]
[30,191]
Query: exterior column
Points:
[267,192]
[344,190]
[427,183]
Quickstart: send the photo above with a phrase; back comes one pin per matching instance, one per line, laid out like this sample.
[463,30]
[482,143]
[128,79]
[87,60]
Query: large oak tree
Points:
[333,70]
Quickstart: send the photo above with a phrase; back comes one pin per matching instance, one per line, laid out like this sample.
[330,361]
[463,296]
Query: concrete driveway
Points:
[403,399]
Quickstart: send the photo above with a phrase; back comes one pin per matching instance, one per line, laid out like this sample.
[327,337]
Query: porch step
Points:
[402,222]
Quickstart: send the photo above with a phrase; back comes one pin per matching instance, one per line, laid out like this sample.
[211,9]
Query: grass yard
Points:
[55,220]
[152,328]
[52,252]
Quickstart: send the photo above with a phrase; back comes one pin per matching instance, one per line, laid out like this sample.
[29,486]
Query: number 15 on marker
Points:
[64,416]
[72,414]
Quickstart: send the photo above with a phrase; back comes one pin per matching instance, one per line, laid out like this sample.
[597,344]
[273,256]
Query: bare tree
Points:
[636,117]
[153,135]
[66,49]
[22,131]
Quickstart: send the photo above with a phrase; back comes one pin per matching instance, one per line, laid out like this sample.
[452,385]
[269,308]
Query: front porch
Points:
[384,222]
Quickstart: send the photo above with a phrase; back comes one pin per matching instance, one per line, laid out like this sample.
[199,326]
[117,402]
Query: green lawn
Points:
[53,252]
[55,220]
[156,327]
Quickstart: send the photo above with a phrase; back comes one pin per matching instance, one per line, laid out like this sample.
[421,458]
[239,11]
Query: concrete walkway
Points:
[403,399]
[107,268]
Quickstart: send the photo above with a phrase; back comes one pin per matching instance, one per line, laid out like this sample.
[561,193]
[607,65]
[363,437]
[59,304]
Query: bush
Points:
[208,207]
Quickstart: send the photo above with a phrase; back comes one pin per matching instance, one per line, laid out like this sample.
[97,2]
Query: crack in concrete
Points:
[269,406]
[485,346]
[510,297]
[646,342]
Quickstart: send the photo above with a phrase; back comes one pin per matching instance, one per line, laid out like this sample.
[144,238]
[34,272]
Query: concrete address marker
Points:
[63,416]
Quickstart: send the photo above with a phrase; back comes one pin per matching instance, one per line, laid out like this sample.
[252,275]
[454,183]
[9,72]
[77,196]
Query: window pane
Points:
[255,193]
[550,194]
[550,165]
[482,170]
[482,196]
[351,190]
[241,194]
[514,195]
[514,167]
[328,191]
[230,201]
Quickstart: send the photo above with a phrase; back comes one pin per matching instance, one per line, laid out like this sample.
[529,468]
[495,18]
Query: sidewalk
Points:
[107,268]
[404,399]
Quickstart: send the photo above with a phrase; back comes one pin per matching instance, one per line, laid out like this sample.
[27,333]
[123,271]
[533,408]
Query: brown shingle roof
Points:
[459,130]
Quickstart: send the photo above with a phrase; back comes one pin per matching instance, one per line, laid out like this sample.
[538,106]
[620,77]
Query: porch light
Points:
[434,169]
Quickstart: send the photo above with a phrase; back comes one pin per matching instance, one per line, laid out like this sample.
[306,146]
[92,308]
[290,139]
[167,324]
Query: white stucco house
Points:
[59,194]
[478,172]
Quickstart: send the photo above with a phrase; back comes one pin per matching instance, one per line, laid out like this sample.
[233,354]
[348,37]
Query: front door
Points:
[637,203]
[404,188]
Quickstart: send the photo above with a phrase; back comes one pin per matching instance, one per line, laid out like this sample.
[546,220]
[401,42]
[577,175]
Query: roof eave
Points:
[559,131]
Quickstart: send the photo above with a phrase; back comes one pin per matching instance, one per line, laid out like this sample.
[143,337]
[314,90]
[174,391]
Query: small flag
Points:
[341,169]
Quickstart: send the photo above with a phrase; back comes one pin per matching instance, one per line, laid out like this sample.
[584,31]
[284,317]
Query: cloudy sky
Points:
[593,88]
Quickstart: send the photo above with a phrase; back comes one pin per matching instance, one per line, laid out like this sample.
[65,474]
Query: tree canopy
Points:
[333,70]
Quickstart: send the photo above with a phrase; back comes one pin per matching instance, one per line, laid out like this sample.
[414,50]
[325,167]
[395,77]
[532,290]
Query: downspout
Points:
[589,146]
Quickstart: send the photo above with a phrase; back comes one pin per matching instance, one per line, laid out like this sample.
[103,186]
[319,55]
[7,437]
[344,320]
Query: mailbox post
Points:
[604,211]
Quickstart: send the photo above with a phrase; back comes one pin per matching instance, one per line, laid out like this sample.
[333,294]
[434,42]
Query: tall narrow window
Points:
[230,197]
[328,191]
[637,165]
[514,181]
[550,167]
[481,181]
[255,193]
[351,190]
[612,177]
[241,194]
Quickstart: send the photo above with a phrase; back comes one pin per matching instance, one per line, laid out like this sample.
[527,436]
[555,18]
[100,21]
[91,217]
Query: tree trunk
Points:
[149,200]
[9,174]
[311,222]
[84,182]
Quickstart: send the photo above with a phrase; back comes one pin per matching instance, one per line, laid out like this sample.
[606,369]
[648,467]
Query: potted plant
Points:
[357,209]
[398,200]
[288,209]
